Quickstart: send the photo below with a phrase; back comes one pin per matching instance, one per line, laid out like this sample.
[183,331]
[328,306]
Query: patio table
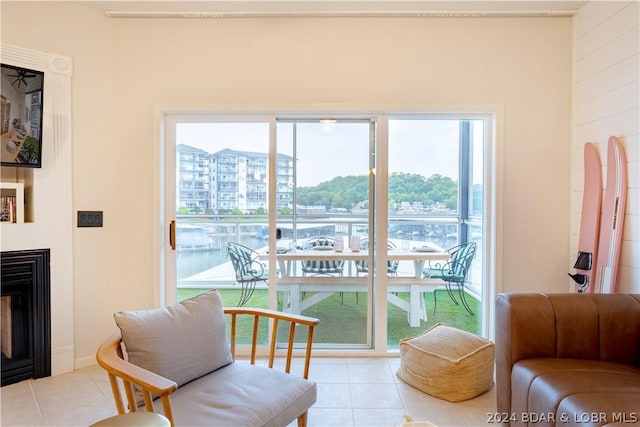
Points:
[325,285]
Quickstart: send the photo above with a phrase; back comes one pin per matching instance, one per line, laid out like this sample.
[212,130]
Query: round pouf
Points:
[138,419]
[447,363]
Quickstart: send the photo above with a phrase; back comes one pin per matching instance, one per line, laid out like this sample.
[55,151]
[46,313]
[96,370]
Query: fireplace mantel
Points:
[50,188]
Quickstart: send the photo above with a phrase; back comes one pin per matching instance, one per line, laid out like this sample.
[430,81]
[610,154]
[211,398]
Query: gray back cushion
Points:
[181,342]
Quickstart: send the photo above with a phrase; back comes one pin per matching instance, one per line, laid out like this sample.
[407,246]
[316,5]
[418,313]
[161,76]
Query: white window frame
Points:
[165,118]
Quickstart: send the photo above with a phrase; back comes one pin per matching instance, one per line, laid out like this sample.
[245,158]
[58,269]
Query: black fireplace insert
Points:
[26,315]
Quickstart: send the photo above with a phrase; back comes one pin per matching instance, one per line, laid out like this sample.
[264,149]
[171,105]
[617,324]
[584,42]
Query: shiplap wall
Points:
[606,102]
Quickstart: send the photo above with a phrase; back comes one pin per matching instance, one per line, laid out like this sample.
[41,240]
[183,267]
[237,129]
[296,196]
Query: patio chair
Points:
[454,273]
[322,267]
[248,269]
[362,266]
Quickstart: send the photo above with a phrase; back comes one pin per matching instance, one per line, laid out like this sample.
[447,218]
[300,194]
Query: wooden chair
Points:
[187,404]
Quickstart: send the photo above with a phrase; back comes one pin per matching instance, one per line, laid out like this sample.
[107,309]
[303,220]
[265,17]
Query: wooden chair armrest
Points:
[107,358]
[273,314]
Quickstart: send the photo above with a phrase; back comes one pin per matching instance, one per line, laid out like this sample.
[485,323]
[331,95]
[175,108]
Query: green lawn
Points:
[343,317]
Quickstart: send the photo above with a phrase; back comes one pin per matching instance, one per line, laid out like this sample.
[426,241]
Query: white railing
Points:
[201,239]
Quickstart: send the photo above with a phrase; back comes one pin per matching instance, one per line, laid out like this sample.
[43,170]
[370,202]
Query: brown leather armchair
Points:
[568,359]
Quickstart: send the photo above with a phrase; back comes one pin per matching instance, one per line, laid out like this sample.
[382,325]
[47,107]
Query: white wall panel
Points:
[606,102]
[625,123]
[615,101]
[610,54]
[614,77]
[594,13]
[633,153]
[608,30]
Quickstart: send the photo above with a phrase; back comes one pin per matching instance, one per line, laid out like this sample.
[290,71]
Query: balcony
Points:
[203,264]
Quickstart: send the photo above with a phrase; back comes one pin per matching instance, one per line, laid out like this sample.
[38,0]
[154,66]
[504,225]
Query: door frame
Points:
[164,116]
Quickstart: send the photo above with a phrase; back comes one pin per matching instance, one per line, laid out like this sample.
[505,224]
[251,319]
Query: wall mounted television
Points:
[21,116]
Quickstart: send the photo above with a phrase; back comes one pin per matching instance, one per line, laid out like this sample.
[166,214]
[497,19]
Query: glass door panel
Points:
[221,196]
[323,205]
[478,135]
[429,190]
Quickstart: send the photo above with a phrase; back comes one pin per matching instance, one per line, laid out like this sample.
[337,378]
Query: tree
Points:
[346,191]
[285,210]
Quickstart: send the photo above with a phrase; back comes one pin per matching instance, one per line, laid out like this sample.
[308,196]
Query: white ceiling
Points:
[301,8]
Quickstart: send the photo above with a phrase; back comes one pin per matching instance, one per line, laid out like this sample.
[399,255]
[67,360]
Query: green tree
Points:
[285,210]
[346,191]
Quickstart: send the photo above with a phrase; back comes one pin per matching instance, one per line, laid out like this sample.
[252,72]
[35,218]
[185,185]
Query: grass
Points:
[343,318]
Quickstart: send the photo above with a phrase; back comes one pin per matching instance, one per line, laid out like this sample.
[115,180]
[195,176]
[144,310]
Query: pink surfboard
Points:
[589,221]
[612,220]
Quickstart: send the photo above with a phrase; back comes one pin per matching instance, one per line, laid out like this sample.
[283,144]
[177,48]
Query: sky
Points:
[324,151]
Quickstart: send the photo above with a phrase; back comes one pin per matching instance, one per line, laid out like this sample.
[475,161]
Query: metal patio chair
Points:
[454,273]
[248,269]
[362,266]
[322,267]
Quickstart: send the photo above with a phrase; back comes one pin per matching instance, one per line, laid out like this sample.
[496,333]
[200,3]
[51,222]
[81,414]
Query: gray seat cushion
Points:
[241,394]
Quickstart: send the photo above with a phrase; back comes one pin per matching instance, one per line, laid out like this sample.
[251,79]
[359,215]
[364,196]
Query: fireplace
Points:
[25,315]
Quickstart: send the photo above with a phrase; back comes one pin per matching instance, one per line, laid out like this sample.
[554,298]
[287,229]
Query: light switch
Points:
[89,218]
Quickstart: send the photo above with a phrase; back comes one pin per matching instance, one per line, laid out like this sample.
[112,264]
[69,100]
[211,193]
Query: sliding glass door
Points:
[330,218]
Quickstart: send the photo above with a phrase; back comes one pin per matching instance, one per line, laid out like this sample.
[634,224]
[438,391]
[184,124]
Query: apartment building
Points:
[229,179]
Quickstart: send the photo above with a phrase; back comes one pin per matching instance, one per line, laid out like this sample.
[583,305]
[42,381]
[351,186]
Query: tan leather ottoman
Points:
[447,363]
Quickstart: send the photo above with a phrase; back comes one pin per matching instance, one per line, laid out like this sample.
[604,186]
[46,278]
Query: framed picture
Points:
[21,115]
[11,202]
[7,209]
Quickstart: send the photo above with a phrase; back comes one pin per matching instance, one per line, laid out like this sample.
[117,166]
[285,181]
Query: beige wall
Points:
[607,102]
[125,67]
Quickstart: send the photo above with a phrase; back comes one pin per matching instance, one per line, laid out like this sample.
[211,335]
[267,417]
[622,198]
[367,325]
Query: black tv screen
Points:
[21,116]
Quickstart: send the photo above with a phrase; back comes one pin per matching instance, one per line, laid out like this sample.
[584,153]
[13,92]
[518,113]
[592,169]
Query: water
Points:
[190,262]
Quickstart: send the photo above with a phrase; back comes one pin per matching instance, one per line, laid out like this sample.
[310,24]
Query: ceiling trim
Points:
[339,14]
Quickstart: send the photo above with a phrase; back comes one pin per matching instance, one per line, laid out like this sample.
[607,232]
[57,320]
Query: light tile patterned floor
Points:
[351,392]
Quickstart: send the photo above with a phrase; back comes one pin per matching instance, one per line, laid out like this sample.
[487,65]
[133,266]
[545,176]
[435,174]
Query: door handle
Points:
[172,234]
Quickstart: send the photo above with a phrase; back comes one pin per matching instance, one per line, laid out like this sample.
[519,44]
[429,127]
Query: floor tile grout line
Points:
[35,399]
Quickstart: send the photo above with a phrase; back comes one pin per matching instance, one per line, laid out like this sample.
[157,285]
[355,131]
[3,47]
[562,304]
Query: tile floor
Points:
[351,392]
